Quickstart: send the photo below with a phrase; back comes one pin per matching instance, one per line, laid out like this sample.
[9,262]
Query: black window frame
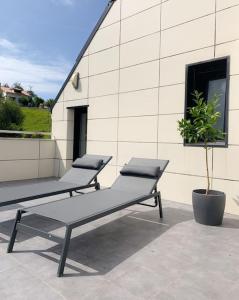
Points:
[219,144]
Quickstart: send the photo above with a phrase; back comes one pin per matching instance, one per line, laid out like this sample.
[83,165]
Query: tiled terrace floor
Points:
[129,255]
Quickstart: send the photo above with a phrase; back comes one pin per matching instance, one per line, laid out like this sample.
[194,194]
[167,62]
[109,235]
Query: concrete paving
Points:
[131,255]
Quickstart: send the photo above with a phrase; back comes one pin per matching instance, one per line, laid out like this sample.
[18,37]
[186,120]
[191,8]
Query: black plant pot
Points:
[208,209]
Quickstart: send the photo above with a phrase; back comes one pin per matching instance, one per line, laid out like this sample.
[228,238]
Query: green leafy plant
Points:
[11,116]
[200,126]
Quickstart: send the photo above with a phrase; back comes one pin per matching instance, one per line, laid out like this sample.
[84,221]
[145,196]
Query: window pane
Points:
[218,87]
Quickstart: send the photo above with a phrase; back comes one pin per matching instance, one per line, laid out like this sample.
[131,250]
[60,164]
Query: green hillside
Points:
[36,119]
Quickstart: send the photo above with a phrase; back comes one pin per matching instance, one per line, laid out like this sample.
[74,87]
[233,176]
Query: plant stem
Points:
[208,179]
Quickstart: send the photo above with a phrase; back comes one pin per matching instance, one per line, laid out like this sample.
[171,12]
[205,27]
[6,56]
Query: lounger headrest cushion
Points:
[141,171]
[88,163]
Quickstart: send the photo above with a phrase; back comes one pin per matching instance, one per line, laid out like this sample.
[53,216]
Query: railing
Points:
[24,134]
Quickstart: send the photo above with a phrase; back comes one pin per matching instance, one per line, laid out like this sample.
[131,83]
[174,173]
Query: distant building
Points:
[14,93]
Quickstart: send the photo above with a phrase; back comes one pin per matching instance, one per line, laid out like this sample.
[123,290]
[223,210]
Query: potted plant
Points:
[199,128]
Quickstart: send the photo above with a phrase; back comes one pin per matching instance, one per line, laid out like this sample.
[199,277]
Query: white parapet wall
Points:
[26,158]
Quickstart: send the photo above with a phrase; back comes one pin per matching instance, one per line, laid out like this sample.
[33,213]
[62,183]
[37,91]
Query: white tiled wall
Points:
[133,7]
[199,34]
[167,128]
[141,24]
[138,103]
[126,150]
[227,25]
[222,4]
[102,129]
[149,50]
[104,61]
[103,107]
[138,129]
[133,79]
[105,38]
[139,77]
[230,49]
[172,99]
[234,92]
[176,12]
[104,84]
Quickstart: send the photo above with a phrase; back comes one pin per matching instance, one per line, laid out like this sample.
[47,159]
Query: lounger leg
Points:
[160,206]
[97,185]
[71,194]
[156,201]
[64,252]
[14,231]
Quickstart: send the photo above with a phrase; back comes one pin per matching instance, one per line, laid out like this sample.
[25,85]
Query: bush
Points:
[11,116]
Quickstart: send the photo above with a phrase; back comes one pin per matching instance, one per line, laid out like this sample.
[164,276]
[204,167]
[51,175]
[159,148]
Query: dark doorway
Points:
[80,131]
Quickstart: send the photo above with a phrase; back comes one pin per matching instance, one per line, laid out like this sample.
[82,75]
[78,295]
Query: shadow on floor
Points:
[31,220]
[108,245]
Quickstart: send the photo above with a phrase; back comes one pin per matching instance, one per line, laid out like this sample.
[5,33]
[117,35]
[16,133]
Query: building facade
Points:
[128,88]
[13,93]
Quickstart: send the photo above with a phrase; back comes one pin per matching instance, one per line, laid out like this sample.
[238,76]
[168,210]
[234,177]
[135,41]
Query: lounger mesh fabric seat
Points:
[79,210]
[11,195]
[75,179]
[125,190]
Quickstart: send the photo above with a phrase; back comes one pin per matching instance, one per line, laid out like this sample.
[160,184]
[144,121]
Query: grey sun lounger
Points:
[77,178]
[137,183]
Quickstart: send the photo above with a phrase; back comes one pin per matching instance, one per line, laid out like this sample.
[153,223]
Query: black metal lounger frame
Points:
[70,226]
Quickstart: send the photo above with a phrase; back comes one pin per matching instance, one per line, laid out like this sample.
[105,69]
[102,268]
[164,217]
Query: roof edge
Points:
[86,45]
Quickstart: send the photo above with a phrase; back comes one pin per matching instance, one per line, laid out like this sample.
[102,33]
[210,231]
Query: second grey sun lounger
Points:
[77,178]
[137,183]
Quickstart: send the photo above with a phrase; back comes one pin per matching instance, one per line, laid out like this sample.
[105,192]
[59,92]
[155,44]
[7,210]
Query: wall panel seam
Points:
[226,8]
[141,12]
[201,176]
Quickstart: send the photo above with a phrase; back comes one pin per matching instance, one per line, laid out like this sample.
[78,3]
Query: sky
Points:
[40,40]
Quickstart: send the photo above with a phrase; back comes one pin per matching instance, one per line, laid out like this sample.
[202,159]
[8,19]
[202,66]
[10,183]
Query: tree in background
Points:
[17,85]
[11,116]
[37,101]
[50,104]
[25,101]
[31,93]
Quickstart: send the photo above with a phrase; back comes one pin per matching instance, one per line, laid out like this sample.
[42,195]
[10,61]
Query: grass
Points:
[36,119]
